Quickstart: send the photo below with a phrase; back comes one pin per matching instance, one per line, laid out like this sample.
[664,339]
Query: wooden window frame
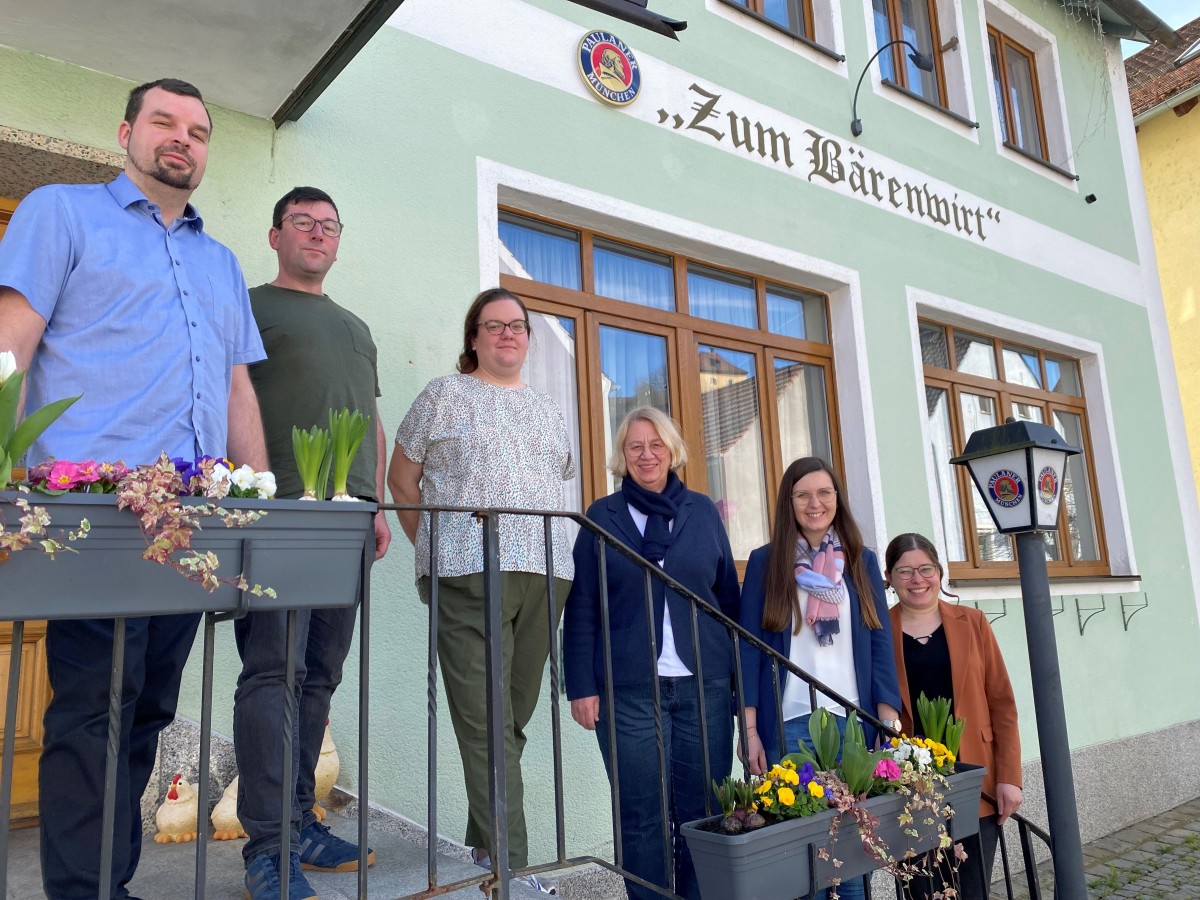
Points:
[1005,393]
[1004,42]
[757,9]
[899,52]
[684,333]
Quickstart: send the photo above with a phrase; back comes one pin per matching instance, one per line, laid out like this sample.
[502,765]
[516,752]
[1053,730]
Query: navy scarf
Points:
[659,509]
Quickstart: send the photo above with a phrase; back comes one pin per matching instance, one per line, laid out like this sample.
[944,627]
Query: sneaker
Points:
[323,851]
[262,879]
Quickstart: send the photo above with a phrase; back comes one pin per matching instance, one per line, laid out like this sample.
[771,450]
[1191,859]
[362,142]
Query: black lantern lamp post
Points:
[1018,469]
[919,59]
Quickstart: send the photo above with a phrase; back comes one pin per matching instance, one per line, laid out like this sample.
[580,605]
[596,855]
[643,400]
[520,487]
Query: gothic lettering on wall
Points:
[840,165]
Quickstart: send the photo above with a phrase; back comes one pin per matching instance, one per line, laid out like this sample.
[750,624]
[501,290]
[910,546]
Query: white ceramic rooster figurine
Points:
[226,826]
[176,818]
[328,767]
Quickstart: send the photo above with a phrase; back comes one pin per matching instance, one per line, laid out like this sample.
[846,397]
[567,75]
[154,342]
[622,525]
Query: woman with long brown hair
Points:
[815,595]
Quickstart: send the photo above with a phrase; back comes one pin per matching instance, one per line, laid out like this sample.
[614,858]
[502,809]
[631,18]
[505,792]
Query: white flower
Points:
[903,752]
[243,477]
[220,473]
[923,757]
[8,366]
[264,483]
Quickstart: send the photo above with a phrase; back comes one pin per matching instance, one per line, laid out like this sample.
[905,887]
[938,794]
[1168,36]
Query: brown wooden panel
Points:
[32,697]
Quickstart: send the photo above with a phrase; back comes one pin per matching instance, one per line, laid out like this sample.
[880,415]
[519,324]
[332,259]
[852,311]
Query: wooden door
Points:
[34,686]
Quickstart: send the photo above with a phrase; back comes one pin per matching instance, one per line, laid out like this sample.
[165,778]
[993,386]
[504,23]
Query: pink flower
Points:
[113,471]
[89,472]
[63,476]
[887,769]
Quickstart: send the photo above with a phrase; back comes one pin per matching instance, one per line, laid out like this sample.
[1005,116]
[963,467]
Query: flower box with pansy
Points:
[819,818]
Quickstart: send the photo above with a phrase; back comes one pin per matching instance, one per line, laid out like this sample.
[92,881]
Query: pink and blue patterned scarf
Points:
[819,574]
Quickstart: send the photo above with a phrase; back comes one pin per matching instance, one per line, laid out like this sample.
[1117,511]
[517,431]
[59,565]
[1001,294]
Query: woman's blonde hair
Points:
[668,431]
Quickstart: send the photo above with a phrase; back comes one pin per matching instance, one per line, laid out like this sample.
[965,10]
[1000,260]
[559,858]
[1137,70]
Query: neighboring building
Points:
[1164,90]
[724,248]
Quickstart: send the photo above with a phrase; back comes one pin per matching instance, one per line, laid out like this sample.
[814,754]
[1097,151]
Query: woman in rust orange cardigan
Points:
[950,651]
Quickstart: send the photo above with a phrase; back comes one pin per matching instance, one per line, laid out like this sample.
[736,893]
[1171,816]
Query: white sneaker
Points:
[484,861]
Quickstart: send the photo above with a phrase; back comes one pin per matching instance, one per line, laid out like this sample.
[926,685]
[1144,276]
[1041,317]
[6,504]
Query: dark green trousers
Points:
[526,646]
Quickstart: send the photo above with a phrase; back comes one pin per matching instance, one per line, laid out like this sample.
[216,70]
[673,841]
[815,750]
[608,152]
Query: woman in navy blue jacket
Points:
[680,531]
[814,594]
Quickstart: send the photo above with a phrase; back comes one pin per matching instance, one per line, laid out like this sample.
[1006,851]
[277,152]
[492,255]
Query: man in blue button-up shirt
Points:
[115,292]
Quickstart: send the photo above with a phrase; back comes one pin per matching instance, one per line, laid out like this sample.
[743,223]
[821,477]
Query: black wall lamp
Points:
[635,11]
[919,59]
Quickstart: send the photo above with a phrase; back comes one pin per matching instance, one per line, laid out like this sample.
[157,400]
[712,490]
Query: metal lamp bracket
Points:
[1062,604]
[1129,610]
[992,615]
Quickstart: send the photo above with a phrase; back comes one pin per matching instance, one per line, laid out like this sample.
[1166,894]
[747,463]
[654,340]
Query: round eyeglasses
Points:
[492,326]
[305,222]
[906,573]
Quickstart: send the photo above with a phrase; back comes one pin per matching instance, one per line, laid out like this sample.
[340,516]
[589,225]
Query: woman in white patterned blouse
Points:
[483,438]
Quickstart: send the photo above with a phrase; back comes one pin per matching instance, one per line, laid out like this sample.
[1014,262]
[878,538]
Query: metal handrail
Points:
[498,880]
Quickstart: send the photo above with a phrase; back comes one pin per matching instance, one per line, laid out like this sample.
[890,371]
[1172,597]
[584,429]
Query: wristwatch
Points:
[893,724]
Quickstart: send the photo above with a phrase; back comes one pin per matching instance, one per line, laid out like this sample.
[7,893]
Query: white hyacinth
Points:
[8,366]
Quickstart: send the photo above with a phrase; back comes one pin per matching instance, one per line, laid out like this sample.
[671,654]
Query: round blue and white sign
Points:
[609,68]
[1006,488]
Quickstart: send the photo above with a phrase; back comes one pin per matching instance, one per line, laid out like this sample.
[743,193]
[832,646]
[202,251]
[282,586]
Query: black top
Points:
[928,667]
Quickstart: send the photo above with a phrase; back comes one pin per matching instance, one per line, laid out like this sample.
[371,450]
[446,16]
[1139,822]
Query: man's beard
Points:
[171,176]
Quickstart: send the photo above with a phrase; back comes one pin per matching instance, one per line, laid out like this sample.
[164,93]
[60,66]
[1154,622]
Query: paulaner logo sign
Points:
[841,165]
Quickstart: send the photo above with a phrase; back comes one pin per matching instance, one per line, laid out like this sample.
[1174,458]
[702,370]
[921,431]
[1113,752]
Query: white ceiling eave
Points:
[267,58]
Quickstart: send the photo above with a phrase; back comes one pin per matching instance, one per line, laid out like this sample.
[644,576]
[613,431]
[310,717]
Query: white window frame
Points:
[1043,44]
[1106,464]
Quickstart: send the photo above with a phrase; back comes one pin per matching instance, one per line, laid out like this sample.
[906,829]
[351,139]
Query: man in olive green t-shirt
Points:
[319,357]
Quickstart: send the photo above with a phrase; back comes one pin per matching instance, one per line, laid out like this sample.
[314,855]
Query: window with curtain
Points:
[915,21]
[973,381]
[793,16]
[743,364]
[1018,98]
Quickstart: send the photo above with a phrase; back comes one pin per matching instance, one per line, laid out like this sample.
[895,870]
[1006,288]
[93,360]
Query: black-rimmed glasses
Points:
[516,326]
[305,222]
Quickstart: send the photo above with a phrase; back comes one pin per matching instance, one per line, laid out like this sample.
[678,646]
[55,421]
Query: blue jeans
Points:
[323,638]
[642,847]
[796,731]
[74,747]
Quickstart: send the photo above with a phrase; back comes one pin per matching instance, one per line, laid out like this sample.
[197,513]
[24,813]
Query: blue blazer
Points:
[874,662]
[699,558]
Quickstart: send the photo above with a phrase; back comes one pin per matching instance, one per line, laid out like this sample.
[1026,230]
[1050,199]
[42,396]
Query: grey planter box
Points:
[309,552]
[780,862]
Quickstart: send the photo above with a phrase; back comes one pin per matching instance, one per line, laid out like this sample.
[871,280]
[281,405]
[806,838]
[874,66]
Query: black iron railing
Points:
[497,881]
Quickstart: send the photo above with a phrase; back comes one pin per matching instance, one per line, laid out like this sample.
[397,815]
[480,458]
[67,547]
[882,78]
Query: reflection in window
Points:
[1014,80]
[1021,366]
[633,275]
[941,439]
[974,356]
[796,313]
[803,412]
[913,21]
[1076,493]
[979,411]
[721,296]
[1062,375]
[934,351]
[733,445]
[633,373]
[540,251]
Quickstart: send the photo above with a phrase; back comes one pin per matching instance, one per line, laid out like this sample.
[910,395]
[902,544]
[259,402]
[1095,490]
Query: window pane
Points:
[974,355]
[733,447]
[547,253]
[1021,366]
[941,438]
[788,13]
[1024,102]
[1027,412]
[883,34]
[918,30]
[1076,491]
[803,411]
[722,297]
[632,275]
[998,87]
[1062,375]
[934,351]
[797,314]
[979,411]
[633,373]
[550,367]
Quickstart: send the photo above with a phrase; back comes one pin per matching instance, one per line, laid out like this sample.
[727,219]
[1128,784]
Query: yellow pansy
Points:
[786,797]
[816,789]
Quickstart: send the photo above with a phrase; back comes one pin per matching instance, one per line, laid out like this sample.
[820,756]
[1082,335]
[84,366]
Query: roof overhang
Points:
[267,58]
[1128,20]
[635,11]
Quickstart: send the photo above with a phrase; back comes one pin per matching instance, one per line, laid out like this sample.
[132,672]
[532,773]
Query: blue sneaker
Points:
[262,879]
[323,851]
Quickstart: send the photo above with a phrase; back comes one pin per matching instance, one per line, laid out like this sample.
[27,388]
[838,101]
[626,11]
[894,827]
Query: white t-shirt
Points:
[669,663]
[833,665]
